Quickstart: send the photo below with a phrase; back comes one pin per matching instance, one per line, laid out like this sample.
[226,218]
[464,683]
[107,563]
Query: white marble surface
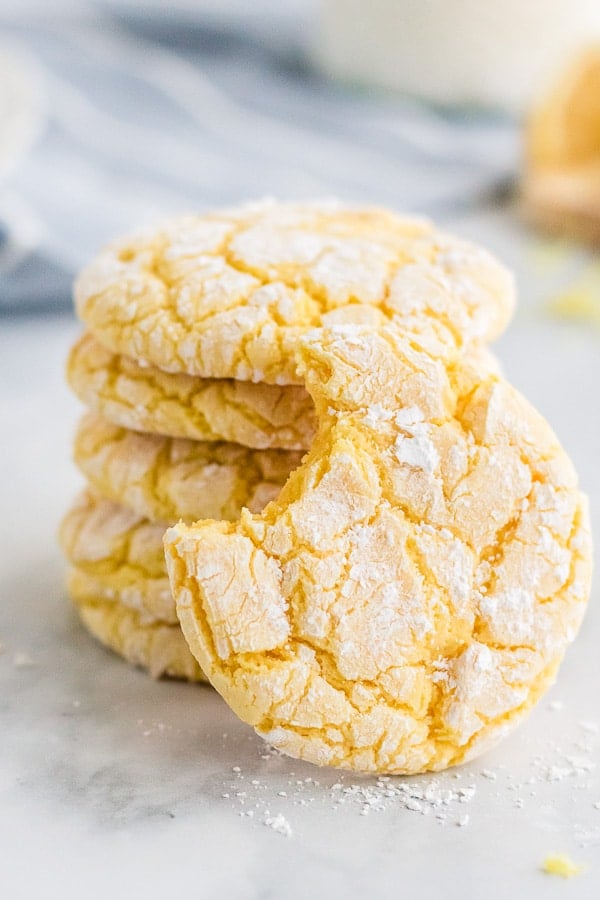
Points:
[112,785]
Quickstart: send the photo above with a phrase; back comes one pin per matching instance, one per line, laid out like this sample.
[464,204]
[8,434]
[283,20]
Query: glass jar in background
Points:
[492,53]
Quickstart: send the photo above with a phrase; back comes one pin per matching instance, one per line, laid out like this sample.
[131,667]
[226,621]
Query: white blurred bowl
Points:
[499,53]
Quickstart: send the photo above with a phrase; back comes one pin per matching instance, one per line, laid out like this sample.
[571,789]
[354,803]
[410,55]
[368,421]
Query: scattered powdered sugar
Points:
[268,797]
[425,796]
[571,765]
[152,728]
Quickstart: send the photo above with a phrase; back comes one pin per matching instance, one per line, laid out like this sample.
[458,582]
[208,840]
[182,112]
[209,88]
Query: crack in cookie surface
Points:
[410,593]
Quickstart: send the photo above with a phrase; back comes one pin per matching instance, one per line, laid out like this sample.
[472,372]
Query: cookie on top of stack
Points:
[406,594]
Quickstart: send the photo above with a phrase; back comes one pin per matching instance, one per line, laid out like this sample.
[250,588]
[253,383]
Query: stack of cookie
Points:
[156,448]
[406,594]
[162,441]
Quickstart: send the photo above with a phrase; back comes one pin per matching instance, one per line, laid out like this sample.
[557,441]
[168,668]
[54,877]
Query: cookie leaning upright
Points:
[227,295]
[410,594]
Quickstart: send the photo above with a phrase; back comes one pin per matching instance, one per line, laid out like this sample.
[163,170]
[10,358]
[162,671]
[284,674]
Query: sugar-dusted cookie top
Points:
[145,398]
[227,295]
[411,592]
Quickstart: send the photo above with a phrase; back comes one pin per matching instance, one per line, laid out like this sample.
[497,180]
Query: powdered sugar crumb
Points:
[278,823]
[376,415]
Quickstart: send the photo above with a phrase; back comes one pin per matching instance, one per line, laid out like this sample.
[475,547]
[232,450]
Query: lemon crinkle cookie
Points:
[227,295]
[119,586]
[123,550]
[167,479]
[145,398]
[143,641]
[410,594]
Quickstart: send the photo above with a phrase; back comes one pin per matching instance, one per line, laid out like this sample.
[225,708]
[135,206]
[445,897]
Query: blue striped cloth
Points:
[143,116]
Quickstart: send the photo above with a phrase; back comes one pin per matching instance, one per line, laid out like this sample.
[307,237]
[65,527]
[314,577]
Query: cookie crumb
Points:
[278,823]
[560,864]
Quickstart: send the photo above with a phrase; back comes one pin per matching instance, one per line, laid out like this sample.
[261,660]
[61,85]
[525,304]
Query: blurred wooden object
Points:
[562,167]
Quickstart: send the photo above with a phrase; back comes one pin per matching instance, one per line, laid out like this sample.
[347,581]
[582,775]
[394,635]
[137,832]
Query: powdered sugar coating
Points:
[227,295]
[395,610]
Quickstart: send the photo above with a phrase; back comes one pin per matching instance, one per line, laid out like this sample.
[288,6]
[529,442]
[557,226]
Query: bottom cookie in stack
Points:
[112,535]
[156,646]
[118,583]
[123,552]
